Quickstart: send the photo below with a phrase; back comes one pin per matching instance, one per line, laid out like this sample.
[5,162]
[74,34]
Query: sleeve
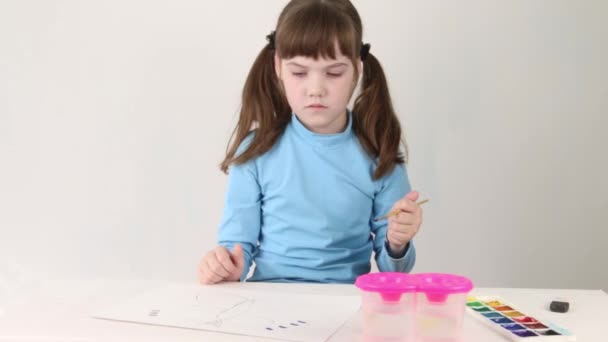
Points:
[241,219]
[394,187]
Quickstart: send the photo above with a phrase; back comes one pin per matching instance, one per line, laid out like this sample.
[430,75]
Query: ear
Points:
[277,65]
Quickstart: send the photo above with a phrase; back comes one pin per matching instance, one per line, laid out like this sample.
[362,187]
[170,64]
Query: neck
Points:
[334,127]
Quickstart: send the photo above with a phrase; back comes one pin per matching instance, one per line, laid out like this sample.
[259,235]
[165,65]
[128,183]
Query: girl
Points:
[307,176]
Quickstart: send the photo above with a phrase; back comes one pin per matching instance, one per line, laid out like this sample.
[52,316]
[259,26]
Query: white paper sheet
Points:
[291,317]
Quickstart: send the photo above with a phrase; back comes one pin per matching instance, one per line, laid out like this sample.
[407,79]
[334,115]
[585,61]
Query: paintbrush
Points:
[396,211]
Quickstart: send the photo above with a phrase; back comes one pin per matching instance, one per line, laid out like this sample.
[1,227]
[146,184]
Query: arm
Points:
[393,188]
[241,220]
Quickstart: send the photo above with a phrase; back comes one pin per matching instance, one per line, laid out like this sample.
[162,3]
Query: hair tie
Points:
[270,39]
[365,51]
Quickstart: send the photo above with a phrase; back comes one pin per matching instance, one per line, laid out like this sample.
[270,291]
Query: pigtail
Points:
[375,121]
[264,109]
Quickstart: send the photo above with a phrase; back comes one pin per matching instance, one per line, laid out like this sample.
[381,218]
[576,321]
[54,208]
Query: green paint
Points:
[482,309]
[474,304]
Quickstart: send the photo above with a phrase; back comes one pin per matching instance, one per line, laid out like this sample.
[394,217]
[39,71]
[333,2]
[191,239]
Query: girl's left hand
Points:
[403,227]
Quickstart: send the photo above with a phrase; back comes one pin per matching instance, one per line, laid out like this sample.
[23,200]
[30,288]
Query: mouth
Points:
[317,106]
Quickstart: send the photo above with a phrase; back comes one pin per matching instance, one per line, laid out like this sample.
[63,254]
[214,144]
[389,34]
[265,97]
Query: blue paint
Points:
[524,333]
[501,320]
[492,315]
[513,326]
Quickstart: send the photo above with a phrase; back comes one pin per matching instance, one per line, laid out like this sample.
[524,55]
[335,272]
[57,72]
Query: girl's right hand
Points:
[220,264]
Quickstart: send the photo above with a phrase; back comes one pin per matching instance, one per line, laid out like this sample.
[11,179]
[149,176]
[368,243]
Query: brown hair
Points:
[311,28]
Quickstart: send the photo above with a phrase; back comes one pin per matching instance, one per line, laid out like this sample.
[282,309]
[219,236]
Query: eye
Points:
[299,74]
[333,74]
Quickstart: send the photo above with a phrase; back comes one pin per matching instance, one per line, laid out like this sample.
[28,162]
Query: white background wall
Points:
[114,116]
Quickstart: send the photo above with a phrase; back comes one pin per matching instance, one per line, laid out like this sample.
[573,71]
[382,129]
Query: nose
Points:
[316,87]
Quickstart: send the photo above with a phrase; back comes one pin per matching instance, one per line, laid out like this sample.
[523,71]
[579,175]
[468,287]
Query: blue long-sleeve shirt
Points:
[304,210]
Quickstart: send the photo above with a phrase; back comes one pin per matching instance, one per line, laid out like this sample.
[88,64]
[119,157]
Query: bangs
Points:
[317,31]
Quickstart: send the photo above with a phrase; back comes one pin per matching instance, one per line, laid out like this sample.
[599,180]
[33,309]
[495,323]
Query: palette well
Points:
[515,324]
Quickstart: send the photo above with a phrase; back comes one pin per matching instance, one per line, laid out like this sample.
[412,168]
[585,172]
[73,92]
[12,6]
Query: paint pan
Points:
[507,320]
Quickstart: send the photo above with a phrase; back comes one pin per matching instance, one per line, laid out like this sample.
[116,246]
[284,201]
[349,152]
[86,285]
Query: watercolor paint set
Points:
[513,323]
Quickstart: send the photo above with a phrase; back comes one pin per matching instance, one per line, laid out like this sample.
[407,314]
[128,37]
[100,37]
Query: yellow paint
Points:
[513,313]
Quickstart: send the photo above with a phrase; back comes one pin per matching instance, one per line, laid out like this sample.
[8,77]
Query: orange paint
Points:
[503,308]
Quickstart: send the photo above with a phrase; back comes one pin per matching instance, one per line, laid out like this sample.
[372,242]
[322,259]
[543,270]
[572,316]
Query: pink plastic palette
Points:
[515,324]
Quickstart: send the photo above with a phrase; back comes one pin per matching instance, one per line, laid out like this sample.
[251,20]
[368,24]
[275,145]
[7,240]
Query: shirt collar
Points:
[322,140]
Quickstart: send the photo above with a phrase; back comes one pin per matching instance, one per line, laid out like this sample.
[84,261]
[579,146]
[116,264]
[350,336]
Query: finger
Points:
[223,256]
[401,230]
[238,256]
[405,231]
[211,272]
[216,267]
[202,275]
[404,218]
[207,278]
[407,205]
[201,265]
[413,196]
[404,228]
[399,238]
[213,278]
[404,235]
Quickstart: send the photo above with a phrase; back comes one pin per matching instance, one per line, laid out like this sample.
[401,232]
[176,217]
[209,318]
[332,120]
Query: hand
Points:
[403,227]
[221,265]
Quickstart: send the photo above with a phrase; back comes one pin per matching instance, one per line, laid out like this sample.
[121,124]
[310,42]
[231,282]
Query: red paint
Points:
[525,320]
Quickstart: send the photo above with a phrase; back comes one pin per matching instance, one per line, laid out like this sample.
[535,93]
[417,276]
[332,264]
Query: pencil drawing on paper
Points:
[230,307]
[293,317]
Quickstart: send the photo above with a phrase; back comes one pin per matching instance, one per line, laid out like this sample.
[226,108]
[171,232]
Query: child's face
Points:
[318,91]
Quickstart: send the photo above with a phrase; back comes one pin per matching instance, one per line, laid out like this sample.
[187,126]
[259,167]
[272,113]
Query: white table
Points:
[58,310]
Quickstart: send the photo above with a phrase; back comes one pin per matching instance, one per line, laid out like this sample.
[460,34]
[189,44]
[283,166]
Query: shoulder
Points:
[260,160]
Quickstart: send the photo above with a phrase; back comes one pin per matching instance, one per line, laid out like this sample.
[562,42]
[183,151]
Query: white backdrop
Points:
[114,116]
